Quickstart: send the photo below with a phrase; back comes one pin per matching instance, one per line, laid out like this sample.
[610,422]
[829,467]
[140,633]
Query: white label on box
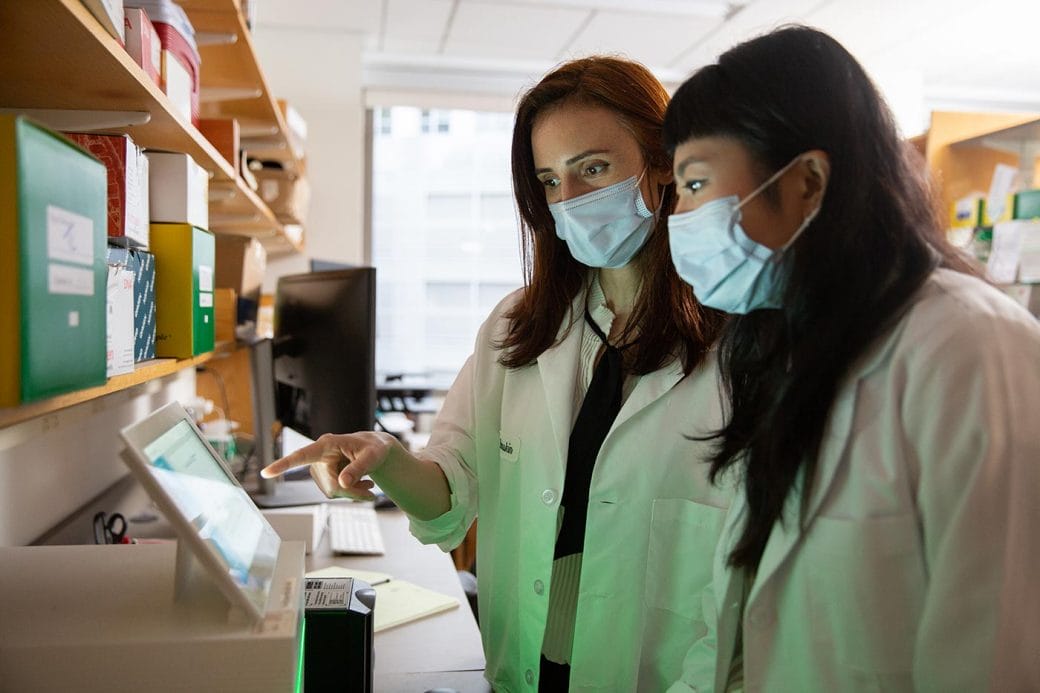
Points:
[205,300]
[205,278]
[327,593]
[74,281]
[70,236]
[73,318]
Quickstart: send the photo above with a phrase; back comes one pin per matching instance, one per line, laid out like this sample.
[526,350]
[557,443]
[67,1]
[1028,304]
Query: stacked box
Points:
[144,304]
[178,190]
[119,322]
[142,43]
[184,257]
[52,264]
[223,134]
[142,263]
[241,262]
[127,185]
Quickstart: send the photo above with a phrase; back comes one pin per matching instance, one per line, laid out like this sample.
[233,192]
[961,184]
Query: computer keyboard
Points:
[353,528]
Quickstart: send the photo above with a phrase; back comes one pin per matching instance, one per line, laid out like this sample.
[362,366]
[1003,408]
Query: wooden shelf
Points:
[963,148]
[230,68]
[145,371]
[56,55]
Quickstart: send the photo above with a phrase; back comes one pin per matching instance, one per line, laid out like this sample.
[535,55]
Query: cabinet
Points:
[963,148]
[57,61]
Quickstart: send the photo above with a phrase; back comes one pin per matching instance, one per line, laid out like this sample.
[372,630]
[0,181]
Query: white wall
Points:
[52,465]
[334,111]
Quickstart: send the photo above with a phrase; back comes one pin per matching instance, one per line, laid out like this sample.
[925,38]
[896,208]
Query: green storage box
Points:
[53,203]
[184,256]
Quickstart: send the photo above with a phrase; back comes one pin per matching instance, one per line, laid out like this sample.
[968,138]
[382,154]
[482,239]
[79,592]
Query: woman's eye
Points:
[595,169]
[693,185]
[551,182]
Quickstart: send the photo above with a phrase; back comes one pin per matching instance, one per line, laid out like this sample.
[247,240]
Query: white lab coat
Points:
[653,518]
[915,572]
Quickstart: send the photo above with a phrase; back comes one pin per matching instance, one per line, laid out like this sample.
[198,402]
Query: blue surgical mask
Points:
[727,269]
[606,227]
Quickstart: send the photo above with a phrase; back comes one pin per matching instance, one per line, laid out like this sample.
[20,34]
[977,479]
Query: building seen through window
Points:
[444,234]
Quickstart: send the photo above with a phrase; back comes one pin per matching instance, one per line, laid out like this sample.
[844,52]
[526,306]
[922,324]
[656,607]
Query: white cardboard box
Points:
[110,14]
[105,618]
[119,324]
[304,523]
[178,190]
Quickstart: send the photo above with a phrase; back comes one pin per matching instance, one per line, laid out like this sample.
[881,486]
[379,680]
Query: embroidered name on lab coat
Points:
[509,450]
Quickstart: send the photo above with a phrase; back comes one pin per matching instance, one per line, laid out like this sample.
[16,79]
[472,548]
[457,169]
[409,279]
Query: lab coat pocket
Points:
[683,535]
[868,585]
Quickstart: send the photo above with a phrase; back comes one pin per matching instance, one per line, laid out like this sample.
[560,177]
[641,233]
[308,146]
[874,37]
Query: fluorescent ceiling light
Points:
[691,8]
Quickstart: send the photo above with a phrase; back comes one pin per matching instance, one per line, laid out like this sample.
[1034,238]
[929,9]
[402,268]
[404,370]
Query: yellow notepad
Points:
[397,601]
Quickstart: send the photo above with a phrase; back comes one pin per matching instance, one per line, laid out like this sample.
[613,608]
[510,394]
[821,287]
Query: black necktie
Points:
[598,411]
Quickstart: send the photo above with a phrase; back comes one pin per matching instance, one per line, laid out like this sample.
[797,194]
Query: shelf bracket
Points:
[215,38]
[215,94]
[72,120]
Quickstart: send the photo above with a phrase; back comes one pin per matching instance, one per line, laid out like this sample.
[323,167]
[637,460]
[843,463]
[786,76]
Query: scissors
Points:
[110,529]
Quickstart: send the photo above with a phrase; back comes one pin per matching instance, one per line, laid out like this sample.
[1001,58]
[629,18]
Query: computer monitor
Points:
[295,487]
[318,265]
[261,367]
[325,336]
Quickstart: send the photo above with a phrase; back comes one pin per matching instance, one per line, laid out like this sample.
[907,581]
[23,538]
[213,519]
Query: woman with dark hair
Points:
[882,396]
[564,430]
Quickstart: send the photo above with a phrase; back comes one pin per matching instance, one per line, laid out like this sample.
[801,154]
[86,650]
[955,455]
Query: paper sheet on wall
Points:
[1002,266]
[1029,256]
[999,189]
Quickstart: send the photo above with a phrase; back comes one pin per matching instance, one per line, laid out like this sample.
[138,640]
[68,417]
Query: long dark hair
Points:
[667,319]
[850,275]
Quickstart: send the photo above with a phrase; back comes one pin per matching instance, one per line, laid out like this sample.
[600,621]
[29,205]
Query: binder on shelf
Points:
[52,263]
[127,185]
[184,257]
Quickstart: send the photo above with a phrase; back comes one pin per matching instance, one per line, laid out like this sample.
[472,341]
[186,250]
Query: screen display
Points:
[219,509]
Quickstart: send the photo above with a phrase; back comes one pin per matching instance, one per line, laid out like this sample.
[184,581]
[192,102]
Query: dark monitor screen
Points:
[325,337]
[261,362]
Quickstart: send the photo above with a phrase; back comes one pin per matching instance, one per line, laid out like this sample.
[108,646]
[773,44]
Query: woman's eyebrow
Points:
[575,159]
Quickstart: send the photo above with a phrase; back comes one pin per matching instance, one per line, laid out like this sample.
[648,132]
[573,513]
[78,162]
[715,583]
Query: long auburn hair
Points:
[667,321]
[850,275]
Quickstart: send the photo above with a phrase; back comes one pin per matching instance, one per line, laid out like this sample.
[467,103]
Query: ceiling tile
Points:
[652,39]
[413,26]
[354,15]
[511,31]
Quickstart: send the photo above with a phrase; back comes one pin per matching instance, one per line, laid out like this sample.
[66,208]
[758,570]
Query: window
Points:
[435,121]
[444,234]
[384,121]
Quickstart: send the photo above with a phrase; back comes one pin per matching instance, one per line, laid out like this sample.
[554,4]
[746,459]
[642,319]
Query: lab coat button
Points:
[529,677]
[548,496]
[538,587]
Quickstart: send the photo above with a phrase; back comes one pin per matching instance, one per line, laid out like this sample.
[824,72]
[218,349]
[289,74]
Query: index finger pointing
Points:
[310,454]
